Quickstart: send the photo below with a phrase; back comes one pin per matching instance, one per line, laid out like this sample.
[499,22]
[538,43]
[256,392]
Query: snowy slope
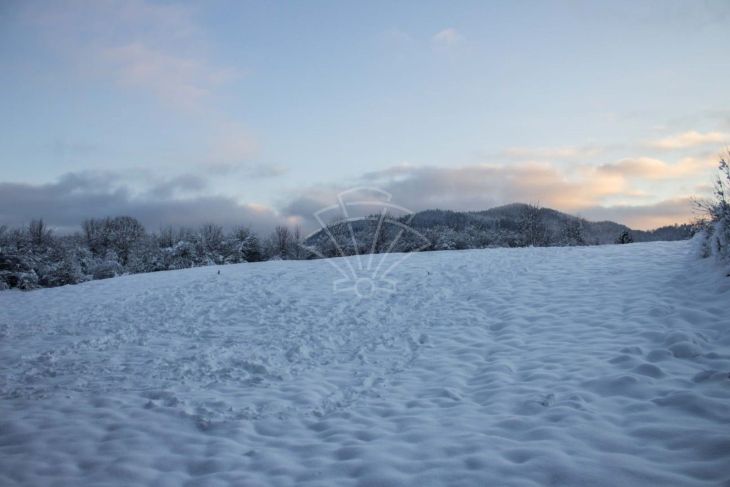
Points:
[598,366]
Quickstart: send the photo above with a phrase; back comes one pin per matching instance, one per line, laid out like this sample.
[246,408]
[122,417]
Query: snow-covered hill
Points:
[598,366]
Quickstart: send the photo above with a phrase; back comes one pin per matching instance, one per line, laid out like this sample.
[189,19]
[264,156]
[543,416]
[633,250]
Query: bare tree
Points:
[211,236]
[93,234]
[297,251]
[121,234]
[38,232]
[281,242]
[166,237]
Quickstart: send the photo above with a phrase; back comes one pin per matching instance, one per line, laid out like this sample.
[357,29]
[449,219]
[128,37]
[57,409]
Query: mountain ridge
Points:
[510,225]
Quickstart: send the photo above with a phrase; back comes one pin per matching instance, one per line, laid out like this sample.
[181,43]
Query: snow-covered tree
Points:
[280,243]
[65,270]
[571,232]
[108,266]
[119,234]
[532,227]
[716,229]
[211,243]
[145,256]
[16,271]
[39,233]
[625,238]
[242,245]
[124,232]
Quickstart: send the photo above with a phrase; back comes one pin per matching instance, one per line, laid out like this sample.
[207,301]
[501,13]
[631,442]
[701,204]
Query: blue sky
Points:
[261,112]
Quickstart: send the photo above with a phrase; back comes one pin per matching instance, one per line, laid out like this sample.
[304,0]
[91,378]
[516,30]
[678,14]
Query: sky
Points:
[260,113]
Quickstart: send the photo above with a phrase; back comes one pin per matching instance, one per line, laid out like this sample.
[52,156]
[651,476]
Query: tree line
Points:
[33,256]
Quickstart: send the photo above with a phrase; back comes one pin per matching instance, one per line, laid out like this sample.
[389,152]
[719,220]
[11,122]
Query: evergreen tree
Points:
[625,238]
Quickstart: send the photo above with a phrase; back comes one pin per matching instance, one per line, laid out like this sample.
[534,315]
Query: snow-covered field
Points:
[598,366]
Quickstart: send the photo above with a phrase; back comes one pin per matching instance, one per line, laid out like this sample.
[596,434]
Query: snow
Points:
[598,366]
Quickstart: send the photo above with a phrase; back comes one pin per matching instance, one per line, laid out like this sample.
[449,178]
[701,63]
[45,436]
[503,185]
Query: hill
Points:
[513,225]
[516,367]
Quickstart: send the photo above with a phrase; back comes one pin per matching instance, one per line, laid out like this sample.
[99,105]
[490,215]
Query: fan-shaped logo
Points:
[371,234]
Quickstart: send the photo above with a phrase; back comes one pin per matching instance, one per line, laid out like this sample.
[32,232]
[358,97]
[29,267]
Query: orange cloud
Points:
[552,153]
[688,139]
[648,216]
[656,169]
[634,191]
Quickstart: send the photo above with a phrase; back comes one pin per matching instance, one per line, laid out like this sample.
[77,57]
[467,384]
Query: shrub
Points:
[16,271]
[716,228]
[108,267]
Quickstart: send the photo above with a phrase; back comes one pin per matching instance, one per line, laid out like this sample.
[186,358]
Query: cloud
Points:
[246,169]
[690,139]
[552,153]
[185,183]
[655,169]
[259,171]
[480,186]
[74,197]
[607,191]
[232,145]
[153,47]
[631,191]
[448,37]
[180,81]
[233,151]
[647,216]
[111,20]
[468,188]
[157,50]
